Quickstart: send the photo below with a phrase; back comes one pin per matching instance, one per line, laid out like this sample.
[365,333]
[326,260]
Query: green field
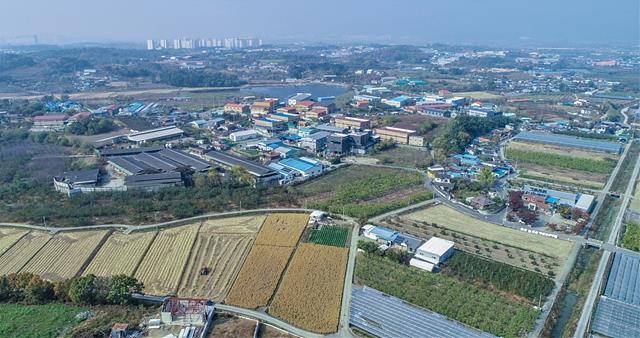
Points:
[364,191]
[404,157]
[561,161]
[448,296]
[42,321]
[635,201]
[334,236]
[631,238]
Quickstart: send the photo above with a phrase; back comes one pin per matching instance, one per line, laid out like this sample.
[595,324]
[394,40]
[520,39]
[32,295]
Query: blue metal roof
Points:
[297,164]
[384,233]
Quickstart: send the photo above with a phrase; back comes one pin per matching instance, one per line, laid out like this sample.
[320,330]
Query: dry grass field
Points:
[310,293]
[446,217]
[162,266]
[282,229]
[259,276]
[8,236]
[222,254]
[120,254]
[21,252]
[65,254]
[234,225]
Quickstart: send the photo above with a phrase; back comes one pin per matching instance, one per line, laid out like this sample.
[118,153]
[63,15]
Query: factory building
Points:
[352,123]
[263,176]
[399,135]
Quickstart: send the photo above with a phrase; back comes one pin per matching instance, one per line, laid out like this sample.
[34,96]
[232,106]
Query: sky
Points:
[480,22]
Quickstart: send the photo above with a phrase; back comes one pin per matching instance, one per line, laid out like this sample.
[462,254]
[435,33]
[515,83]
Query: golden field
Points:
[310,293]
[65,254]
[120,254]
[162,266]
[21,252]
[282,229]
[8,236]
[259,276]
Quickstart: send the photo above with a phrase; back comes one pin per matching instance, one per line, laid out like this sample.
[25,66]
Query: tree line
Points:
[458,132]
[28,288]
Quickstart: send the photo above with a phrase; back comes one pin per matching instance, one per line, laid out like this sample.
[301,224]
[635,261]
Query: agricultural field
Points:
[259,276]
[499,252]
[310,293]
[235,225]
[282,229]
[66,254]
[42,321]
[9,236]
[222,254]
[163,265]
[364,191]
[635,201]
[120,254]
[329,235]
[448,218]
[21,252]
[631,237]
[404,157]
[464,302]
[564,165]
[479,95]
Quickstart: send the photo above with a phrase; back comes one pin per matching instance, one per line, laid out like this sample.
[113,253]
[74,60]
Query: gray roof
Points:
[129,151]
[331,129]
[79,176]
[163,160]
[569,141]
[386,316]
[624,282]
[170,177]
[230,160]
[319,135]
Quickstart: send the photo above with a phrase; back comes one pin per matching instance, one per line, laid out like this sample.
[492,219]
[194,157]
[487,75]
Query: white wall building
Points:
[435,251]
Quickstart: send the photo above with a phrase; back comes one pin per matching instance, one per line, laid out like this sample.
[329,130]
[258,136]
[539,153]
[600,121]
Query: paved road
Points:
[402,210]
[594,292]
[263,317]
[343,328]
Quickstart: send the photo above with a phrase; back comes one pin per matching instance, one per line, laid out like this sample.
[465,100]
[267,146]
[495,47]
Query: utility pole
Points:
[44,220]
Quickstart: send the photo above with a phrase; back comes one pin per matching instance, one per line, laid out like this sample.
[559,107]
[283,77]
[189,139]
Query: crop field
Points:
[21,252]
[282,229]
[120,254]
[259,276]
[65,254]
[235,225]
[404,157]
[42,321]
[162,266]
[311,291]
[359,191]
[448,218]
[480,95]
[499,252]
[635,201]
[8,236]
[334,236]
[222,254]
[564,161]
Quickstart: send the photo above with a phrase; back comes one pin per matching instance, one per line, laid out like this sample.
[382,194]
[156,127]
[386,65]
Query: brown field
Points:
[162,266]
[223,255]
[120,254]
[259,276]
[282,229]
[9,236]
[310,294]
[563,175]
[65,254]
[21,252]
[235,225]
[565,151]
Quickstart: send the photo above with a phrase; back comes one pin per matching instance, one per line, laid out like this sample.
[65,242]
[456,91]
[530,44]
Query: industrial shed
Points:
[264,176]
[569,141]
[156,161]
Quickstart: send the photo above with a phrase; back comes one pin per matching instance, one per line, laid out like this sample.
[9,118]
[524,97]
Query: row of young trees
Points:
[87,290]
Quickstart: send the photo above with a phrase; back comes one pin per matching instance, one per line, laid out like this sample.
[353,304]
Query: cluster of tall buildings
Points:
[189,43]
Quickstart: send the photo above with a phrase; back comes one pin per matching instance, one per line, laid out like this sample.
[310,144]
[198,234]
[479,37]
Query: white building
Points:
[150,45]
[243,135]
[435,251]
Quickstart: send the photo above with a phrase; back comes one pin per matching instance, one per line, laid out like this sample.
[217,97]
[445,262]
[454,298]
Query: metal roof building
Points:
[385,316]
[155,134]
[618,311]
[569,141]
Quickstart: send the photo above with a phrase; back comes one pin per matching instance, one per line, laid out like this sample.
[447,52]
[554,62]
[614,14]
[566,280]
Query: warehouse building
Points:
[399,135]
[435,251]
[164,133]
[352,123]
[305,166]
[50,122]
[299,97]
[153,182]
[315,142]
[263,176]
[156,161]
[71,182]
[482,112]
[243,135]
[237,108]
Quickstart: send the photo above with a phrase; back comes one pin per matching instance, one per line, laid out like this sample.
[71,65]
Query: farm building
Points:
[263,176]
[73,181]
[569,141]
[186,311]
[379,233]
[536,198]
[164,133]
[435,251]
[50,122]
[153,182]
[156,160]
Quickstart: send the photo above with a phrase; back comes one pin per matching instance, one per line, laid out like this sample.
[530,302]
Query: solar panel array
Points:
[616,319]
[623,283]
[386,316]
[571,141]
[618,311]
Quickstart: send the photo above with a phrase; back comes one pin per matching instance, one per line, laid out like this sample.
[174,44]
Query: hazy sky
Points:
[499,22]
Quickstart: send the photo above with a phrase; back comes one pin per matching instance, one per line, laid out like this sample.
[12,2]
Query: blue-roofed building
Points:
[466,159]
[307,167]
[287,175]
[285,152]
[400,101]
[306,131]
[379,233]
